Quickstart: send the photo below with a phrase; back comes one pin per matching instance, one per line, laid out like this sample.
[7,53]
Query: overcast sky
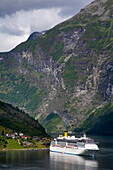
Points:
[19,18]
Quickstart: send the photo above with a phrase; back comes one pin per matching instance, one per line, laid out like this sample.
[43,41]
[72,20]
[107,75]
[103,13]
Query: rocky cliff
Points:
[61,77]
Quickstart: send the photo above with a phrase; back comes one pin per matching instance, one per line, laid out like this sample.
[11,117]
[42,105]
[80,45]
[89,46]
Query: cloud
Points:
[10,41]
[25,22]
[8,25]
[19,18]
[17,27]
[73,7]
[11,6]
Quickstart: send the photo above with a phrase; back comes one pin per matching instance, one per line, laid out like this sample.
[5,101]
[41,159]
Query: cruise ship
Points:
[72,145]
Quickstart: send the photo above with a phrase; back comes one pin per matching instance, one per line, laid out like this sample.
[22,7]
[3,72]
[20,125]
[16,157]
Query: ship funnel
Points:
[66,134]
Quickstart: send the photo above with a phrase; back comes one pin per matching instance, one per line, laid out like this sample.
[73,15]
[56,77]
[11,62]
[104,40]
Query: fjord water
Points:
[44,160]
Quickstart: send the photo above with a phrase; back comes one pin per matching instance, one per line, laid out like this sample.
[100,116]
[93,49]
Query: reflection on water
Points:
[23,160]
[72,162]
[44,160]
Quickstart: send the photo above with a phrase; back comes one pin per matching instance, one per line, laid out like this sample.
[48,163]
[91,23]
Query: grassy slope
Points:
[100,121]
[53,123]
[13,144]
[98,36]
[16,120]
[20,90]
[5,130]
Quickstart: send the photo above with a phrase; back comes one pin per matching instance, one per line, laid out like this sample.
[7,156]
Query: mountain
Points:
[35,35]
[99,122]
[12,119]
[63,76]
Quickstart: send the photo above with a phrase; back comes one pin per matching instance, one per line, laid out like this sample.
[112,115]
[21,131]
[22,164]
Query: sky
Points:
[20,18]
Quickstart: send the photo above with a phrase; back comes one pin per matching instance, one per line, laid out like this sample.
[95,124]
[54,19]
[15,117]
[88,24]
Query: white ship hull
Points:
[73,151]
[74,146]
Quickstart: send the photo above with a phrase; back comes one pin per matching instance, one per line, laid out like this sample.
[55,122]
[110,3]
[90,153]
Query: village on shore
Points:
[15,141]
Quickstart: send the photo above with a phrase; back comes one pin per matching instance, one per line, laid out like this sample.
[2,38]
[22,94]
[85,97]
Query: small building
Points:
[36,138]
[12,135]
[25,137]
[21,134]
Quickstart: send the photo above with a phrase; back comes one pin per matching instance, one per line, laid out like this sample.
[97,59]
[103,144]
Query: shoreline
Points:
[1,150]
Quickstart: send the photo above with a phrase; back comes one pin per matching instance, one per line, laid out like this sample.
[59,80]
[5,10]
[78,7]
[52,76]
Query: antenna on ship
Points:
[84,135]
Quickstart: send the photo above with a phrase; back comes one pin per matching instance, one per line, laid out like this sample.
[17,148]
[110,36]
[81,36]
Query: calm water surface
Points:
[43,160]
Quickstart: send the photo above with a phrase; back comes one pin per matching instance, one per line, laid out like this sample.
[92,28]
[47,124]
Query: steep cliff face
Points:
[62,76]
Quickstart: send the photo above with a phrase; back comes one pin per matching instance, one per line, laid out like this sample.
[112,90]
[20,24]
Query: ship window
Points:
[62,144]
[90,141]
[53,143]
[83,141]
[86,141]
[72,144]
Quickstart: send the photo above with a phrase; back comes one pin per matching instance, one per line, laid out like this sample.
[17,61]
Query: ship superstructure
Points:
[73,145]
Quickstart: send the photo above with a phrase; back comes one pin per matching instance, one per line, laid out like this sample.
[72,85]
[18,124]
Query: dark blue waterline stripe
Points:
[73,154]
[64,152]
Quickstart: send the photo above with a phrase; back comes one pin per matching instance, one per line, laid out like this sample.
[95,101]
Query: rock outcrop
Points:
[68,71]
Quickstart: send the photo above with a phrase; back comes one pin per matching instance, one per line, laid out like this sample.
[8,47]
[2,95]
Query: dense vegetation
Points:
[55,120]
[16,120]
[9,144]
[3,142]
[100,121]
[24,91]
[64,77]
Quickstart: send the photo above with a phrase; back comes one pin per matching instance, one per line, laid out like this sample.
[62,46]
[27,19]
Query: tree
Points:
[3,143]
[2,133]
